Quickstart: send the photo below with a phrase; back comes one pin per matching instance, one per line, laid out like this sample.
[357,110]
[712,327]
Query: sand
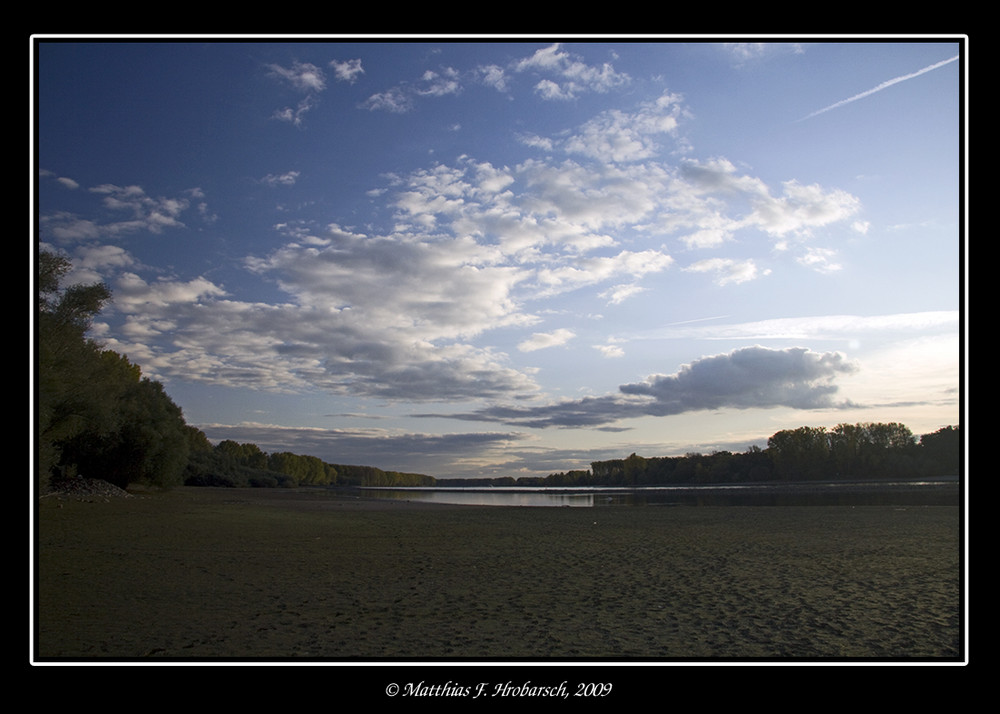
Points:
[225,574]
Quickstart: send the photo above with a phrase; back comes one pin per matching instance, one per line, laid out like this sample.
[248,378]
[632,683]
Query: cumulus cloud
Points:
[726,270]
[91,262]
[795,210]
[286,179]
[303,76]
[297,115]
[746,378]
[610,350]
[128,210]
[566,76]
[544,340]
[400,98]
[348,70]
[745,52]
[493,76]
[619,136]
[401,310]
[439,83]
[752,377]
[394,99]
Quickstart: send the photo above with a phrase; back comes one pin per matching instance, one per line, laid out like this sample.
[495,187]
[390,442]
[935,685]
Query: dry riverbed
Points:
[226,574]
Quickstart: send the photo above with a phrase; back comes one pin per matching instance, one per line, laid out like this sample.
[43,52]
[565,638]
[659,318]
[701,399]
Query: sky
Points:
[513,256]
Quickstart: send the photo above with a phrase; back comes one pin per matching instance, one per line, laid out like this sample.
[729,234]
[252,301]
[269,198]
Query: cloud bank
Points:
[748,378]
[403,308]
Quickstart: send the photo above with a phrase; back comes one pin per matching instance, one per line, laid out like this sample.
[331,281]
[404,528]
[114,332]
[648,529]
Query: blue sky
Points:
[515,256]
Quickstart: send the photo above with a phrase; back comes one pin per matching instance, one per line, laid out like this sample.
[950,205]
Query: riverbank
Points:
[226,574]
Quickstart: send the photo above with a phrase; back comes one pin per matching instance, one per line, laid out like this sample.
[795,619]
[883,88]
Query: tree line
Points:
[847,452]
[98,416]
[232,464]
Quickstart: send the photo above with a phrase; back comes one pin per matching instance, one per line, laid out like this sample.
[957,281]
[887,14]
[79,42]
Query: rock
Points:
[87,489]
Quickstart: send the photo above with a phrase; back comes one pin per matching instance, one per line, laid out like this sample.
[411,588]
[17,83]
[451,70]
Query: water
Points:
[894,493]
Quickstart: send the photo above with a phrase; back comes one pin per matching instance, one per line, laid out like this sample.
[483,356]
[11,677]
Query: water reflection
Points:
[900,493]
[492,497]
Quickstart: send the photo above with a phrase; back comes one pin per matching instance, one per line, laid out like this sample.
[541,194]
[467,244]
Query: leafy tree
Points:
[633,469]
[942,451]
[304,470]
[801,453]
[97,415]
[74,393]
[150,444]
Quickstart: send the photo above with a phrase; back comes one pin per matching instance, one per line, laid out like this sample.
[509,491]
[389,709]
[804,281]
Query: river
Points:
[925,492]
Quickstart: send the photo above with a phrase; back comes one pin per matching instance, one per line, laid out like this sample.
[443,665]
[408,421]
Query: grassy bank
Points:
[203,574]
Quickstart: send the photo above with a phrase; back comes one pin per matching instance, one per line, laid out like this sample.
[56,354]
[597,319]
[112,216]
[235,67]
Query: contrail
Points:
[882,86]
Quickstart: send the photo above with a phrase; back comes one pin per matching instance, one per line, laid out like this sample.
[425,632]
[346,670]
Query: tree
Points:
[72,307]
[800,454]
[941,451]
[74,394]
[846,446]
[97,415]
[150,444]
[633,469]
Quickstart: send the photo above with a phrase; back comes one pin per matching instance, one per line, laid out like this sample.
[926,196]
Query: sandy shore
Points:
[210,574]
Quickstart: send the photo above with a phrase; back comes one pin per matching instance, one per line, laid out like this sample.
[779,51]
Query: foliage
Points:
[944,450]
[97,415]
[76,386]
[150,444]
[848,451]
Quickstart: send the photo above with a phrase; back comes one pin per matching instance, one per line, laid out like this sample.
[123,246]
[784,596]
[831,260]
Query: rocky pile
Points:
[87,489]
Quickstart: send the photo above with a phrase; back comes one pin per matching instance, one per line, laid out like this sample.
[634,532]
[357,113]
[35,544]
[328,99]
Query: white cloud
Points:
[470,247]
[494,76]
[620,293]
[610,350]
[348,70]
[295,116]
[286,179]
[726,270]
[568,76]
[400,99]
[822,260]
[393,100]
[618,136]
[135,295]
[132,211]
[801,208]
[745,52]
[439,84]
[91,262]
[591,271]
[544,340]
[303,76]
